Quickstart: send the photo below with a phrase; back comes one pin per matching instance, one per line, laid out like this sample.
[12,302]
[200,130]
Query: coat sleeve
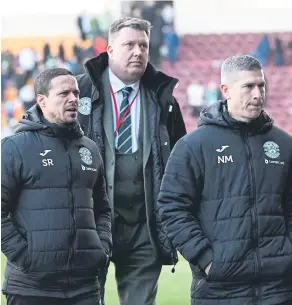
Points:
[102,210]
[178,200]
[176,126]
[13,243]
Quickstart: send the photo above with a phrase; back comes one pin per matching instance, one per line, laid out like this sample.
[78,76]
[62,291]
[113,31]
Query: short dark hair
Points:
[130,22]
[42,84]
[239,63]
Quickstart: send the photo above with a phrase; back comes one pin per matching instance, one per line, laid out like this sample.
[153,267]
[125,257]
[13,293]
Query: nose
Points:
[73,98]
[137,50]
[257,94]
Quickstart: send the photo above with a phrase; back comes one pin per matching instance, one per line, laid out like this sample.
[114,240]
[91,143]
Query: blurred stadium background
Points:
[189,40]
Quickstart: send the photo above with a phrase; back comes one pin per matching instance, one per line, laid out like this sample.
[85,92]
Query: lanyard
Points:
[119,121]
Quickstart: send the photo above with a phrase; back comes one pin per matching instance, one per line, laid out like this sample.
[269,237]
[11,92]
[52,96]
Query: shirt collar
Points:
[118,85]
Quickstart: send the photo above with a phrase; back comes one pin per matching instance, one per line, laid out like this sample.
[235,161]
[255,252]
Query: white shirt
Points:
[117,86]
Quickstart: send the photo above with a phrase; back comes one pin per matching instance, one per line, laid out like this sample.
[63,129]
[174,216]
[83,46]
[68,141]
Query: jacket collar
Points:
[33,120]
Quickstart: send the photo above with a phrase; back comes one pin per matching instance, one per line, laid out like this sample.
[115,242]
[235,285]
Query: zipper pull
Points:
[173,268]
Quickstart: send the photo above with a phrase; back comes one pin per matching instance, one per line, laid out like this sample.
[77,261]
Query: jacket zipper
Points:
[253,211]
[72,212]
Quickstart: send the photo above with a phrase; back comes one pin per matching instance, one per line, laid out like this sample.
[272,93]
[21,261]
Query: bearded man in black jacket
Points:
[56,217]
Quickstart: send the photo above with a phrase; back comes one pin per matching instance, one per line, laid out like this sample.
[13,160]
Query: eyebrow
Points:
[134,41]
[254,84]
[67,91]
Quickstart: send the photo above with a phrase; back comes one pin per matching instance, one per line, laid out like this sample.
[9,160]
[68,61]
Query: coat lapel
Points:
[146,129]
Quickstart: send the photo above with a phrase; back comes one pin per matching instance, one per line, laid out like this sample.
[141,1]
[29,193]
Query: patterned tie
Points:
[125,131]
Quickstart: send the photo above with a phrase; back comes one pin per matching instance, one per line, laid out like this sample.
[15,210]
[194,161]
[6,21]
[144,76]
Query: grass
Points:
[173,287]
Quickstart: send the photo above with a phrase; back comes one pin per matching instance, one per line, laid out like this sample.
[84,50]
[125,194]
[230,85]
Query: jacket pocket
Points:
[276,260]
[214,273]
[103,257]
[89,253]
[27,263]
[23,263]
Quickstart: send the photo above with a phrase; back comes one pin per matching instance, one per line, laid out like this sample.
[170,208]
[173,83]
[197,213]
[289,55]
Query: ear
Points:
[41,100]
[225,91]
[109,50]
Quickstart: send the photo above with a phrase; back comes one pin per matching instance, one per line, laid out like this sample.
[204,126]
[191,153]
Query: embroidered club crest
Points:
[271,149]
[85,155]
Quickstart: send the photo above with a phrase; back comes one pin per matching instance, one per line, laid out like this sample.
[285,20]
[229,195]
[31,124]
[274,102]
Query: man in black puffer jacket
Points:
[226,197]
[56,223]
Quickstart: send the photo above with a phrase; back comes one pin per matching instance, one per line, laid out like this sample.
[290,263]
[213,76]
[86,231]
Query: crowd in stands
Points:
[201,95]
[18,71]
[279,54]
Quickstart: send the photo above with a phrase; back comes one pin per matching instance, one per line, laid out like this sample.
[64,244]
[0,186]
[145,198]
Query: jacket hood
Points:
[217,114]
[33,120]
[152,78]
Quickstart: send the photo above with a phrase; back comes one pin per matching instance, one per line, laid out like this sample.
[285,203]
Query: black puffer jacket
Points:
[226,197]
[56,226]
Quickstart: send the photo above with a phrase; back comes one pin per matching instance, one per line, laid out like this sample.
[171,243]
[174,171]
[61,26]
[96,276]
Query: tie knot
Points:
[126,91]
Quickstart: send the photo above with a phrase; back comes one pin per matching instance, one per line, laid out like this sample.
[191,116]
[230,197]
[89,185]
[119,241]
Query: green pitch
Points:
[174,288]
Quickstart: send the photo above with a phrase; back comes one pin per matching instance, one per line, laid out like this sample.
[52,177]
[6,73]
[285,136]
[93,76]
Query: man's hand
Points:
[207,269]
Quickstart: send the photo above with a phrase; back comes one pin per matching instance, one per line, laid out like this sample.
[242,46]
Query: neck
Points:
[48,120]
[239,118]
[232,113]
[51,121]
[126,81]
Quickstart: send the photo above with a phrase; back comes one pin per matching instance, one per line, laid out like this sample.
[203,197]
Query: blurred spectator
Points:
[86,25]
[279,53]
[104,21]
[47,53]
[95,29]
[80,26]
[26,95]
[148,11]
[27,59]
[167,14]
[62,52]
[77,52]
[8,60]
[172,43]
[21,77]
[195,93]
[76,66]
[4,76]
[100,45]
[289,53]
[263,51]
[212,94]
[137,12]
[156,38]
